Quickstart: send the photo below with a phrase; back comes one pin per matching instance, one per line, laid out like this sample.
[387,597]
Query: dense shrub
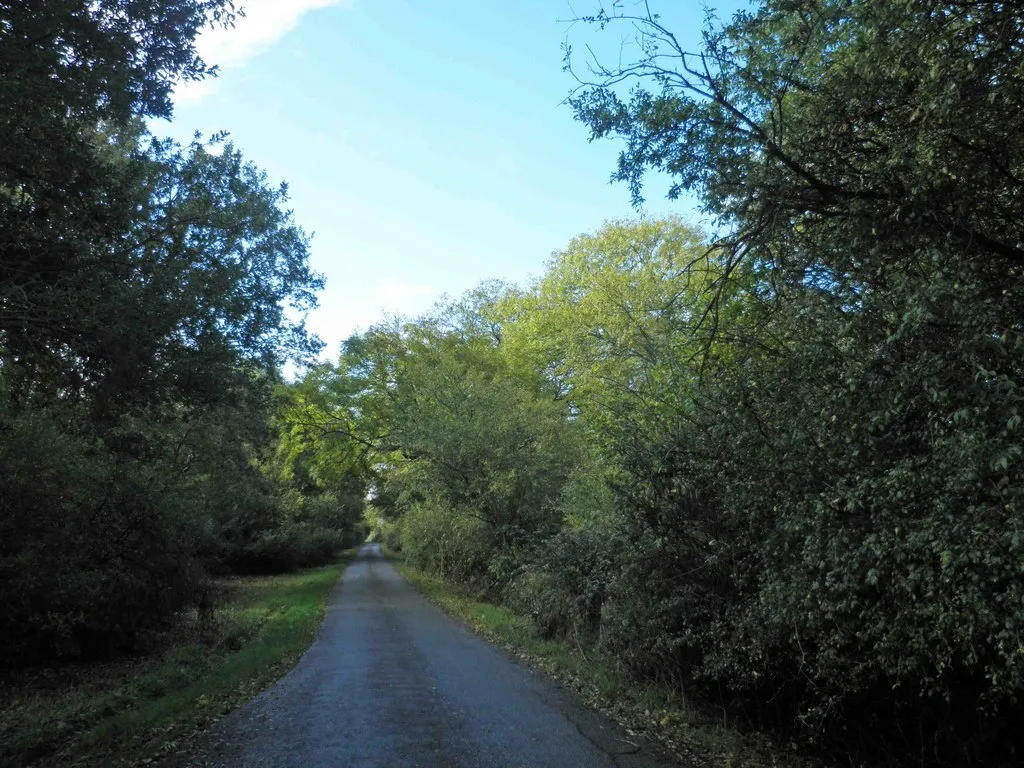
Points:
[287,548]
[143,295]
[90,554]
[441,540]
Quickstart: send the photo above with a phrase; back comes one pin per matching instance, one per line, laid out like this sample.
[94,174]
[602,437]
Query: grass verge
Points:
[693,735]
[137,711]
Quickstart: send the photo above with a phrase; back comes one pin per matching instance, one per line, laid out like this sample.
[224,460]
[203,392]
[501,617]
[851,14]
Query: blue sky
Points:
[424,143]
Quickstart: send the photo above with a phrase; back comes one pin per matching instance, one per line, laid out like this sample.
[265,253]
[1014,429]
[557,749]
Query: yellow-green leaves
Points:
[618,321]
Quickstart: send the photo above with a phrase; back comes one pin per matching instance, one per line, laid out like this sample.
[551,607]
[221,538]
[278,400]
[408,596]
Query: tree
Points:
[841,114]
[467,452]
[73,75]
[155,402]
[148,294]
[615,322]
[861,449]
[219,269]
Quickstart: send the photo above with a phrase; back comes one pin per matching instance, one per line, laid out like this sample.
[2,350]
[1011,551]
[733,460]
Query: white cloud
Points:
[395,295]
[337,319]
[265,22]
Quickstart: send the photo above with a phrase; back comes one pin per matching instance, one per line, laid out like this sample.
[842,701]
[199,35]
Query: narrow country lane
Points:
[392,681]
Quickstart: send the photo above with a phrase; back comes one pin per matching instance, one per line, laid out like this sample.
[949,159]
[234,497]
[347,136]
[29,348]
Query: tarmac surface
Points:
[391,681]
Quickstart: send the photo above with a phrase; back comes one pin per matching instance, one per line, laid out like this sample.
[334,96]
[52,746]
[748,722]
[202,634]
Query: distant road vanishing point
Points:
[392,682]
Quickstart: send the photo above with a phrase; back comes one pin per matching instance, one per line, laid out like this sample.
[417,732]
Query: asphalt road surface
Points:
[391,681]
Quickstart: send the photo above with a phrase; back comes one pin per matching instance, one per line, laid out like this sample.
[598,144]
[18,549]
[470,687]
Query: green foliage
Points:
[466,450]
[87,557]
[834,525]
[149,293]
[614,321]
[779,469]
[152,706]
[288,547]
[76,77]
[440,540]
[777,466]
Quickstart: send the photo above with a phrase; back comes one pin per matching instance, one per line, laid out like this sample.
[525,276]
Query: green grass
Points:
[135,711]
[692,734]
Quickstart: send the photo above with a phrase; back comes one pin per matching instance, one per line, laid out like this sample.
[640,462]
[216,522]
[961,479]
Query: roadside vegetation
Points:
[150,295]
[642,708]
[143,708]
[770,467]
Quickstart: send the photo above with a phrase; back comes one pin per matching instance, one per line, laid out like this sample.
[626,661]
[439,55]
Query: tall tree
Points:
[148,294]
[73,75]
[616,323]
[865,164]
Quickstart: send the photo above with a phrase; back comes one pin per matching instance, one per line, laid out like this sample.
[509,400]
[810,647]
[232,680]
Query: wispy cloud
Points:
[265,22]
